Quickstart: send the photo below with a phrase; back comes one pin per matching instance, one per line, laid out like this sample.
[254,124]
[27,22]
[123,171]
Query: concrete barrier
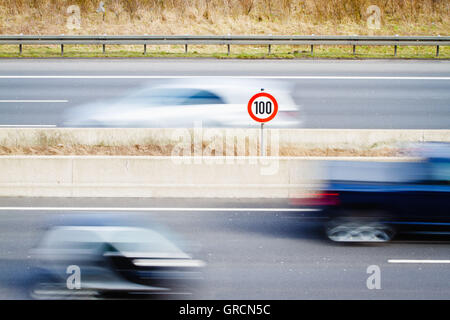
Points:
[140,176]
[133,176]
[308,138]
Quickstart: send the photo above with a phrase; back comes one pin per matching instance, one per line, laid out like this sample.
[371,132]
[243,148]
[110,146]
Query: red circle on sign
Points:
[256,96]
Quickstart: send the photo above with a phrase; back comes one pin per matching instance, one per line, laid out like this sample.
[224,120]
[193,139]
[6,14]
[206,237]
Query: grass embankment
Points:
[197,17]
[166,150]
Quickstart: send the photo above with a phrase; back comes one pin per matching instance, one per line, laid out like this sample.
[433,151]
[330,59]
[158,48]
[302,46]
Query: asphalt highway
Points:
[253,249]
[354,94]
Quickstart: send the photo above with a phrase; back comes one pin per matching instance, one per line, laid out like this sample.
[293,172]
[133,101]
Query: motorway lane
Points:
[207,67]
[397,100]
[250,255]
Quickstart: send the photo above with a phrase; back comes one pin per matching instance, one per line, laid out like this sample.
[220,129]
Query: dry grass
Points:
[166,150]
[404,17]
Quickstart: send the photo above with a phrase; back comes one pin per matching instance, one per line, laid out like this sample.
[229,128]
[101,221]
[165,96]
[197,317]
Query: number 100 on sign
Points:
[262,107]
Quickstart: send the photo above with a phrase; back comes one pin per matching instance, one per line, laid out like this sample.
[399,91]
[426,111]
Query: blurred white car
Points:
[209,102]
[114,259]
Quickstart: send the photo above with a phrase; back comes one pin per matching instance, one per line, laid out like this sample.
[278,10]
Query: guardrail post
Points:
[312,49]
[20,46]
[145,45]
[354,49]
[228,47]
[186,48]
[437,48]
[395,48]
[104,48]
[62,49]
[269,48]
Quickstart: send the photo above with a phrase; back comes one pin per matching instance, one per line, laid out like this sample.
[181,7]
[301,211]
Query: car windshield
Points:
[173,97]
[142,240]
[124,239]
[440,171]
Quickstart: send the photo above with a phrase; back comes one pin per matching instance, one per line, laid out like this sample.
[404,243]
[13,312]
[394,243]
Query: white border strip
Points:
[33,101]
[233,77]
[28,125]
[417,261]
[154,209]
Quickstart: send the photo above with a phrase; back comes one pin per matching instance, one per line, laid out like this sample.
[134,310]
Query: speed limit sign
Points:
[262,107]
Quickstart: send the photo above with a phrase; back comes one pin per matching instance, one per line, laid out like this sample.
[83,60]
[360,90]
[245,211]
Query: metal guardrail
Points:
[226,40]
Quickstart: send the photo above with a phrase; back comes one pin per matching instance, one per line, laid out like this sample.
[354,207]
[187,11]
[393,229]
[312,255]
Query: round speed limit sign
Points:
[262,107]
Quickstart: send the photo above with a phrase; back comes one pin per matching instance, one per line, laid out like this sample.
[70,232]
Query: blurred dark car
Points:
[365,201]
[114,259]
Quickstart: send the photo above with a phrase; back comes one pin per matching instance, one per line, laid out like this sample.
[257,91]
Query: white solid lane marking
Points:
[28,125]
[152,209]
[33,101]
[233,77]
[417,261]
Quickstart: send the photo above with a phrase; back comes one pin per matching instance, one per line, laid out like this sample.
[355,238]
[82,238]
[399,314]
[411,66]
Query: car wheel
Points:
[357,232]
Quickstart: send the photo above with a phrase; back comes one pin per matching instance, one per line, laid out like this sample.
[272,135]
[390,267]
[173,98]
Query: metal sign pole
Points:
[262,151]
